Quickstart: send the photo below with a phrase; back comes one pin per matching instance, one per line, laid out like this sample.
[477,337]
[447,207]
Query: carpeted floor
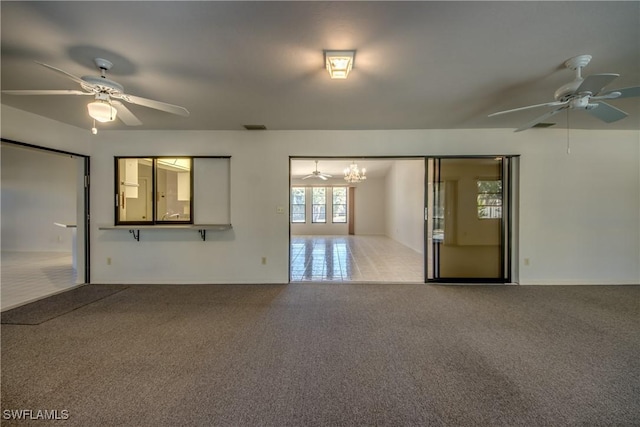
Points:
[45,309]
[331,354]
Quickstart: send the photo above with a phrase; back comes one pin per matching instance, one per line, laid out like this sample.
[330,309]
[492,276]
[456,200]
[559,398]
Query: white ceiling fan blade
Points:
[322,177]
[58,70]
[608,95]
[125,115]
[595,83]
[308,176]
[547,104]
[626,92]
[607,113]
[46,92]
[157,105]
[326,175]
[540,119]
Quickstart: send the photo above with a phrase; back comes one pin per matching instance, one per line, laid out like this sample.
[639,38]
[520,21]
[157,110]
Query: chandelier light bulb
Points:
[354,175]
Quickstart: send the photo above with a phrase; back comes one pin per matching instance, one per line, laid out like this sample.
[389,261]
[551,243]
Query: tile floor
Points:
[27,276]
[354,259]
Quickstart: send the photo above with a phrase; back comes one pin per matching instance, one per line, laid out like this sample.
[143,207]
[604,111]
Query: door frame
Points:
[86,190]
[508,222]
[355,157]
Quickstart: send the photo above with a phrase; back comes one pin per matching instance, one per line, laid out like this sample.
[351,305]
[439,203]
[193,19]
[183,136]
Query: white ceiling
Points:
[419,65]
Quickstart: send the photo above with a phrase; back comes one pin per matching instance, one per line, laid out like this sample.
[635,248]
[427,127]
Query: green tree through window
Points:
[340,204]
[319,209]
[298,205]
[489,199]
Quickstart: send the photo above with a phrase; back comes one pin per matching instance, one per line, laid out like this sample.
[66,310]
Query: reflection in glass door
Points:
[468,219]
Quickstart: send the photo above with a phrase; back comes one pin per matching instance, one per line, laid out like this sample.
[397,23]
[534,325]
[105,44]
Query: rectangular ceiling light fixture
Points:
[339,62]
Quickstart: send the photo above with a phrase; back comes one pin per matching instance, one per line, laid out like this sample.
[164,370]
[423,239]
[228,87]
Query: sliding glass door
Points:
[468,219]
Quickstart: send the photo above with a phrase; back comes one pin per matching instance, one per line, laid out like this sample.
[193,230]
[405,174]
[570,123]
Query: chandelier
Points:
[352,174]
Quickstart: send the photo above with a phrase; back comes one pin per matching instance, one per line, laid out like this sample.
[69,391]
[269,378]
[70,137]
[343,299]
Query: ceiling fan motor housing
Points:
[582,102]
[577,63]
[101,84]
[566,91]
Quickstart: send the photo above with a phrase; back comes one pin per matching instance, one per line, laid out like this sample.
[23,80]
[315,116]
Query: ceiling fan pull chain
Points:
[568,140]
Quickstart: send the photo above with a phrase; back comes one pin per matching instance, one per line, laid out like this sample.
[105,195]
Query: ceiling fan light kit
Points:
[579,94]
[101,109]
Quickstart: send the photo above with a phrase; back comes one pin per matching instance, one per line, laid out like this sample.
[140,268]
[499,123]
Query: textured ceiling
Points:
[419,65]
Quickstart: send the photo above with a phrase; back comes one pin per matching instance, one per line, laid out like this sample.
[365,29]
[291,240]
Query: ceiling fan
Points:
[107,94]
[317,174]
[579,94]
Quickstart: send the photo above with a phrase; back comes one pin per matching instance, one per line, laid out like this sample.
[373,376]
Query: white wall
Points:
[38,189]
[371,198]
[580,213]
[577,220]
[405,203]
[18,125]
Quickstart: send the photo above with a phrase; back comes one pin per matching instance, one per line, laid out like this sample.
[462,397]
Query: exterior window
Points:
[489,199]
[438,212]
[319,208]
[298,205]
[340,204]
[154,190]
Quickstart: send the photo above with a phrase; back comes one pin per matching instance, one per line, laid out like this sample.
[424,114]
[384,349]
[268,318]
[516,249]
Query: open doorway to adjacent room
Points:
[367,230]
[44,222]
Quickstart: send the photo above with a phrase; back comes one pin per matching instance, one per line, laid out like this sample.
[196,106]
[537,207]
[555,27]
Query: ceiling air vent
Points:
[543,125]
[255,127]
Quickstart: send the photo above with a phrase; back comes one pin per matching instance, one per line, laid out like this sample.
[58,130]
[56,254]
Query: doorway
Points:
[469,219]
[455,214]
[45,232]
[366,231]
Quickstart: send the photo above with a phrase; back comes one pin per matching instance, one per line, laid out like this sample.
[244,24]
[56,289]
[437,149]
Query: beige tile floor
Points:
[354,259]
[27,276]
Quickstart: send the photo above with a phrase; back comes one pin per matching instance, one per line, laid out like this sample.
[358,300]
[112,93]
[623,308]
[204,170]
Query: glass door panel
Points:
[466,220]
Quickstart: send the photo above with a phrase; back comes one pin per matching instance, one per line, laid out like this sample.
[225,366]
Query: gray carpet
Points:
[334,355]
[49,308]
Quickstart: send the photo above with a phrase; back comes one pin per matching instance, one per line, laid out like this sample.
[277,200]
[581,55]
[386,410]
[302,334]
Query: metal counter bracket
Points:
[202,228]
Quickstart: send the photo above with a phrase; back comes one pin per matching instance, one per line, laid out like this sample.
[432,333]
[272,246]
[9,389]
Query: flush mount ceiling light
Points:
[339,62]
[101,109]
